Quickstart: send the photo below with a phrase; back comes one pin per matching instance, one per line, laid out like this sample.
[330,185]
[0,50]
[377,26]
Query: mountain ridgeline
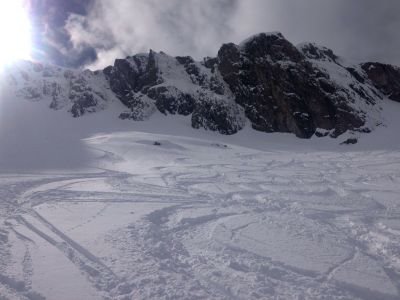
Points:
[265,82]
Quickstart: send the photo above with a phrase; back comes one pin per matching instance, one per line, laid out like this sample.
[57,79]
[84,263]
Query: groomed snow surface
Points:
[94,209]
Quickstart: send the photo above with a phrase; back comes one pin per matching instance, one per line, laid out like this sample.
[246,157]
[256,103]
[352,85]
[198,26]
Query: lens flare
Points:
[15,32]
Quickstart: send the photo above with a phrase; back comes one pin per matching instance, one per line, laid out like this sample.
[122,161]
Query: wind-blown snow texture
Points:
[97,207]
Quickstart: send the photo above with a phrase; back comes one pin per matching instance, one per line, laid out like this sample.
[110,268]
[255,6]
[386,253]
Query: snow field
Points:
[195,219]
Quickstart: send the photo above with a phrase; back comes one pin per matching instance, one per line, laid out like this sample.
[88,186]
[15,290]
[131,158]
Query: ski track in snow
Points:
[195,220]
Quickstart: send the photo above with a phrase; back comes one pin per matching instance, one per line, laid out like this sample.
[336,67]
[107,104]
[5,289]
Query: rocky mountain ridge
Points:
[265,81]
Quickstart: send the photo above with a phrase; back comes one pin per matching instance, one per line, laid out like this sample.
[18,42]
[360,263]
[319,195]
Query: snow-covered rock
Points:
[385,78]
[76,91]
[175,85]
[265,81]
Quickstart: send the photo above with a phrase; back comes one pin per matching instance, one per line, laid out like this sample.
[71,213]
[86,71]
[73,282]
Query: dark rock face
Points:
[82,104]
[281,91]
[132,74]
[171,100]
[385,78]
[192,69]
[140,108]
[350,141]
[216,115]
[174,85]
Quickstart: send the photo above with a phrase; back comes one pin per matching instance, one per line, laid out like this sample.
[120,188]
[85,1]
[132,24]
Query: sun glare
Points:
[15,32]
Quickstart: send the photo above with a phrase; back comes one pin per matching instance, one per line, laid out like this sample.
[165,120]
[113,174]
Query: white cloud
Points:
[363,29]
[126,27]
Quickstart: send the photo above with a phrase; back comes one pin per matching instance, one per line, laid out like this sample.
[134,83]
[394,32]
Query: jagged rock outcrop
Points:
[282,90]
[274,85]
[174,85]
[385,78]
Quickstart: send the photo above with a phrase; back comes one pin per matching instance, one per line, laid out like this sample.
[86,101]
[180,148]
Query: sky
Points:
[92,33]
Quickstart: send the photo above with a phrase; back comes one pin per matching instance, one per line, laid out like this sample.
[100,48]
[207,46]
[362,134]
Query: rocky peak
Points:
[286,89]
[385,78]
[272,46]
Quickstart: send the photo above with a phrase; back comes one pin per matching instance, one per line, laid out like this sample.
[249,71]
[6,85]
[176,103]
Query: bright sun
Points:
[15,32]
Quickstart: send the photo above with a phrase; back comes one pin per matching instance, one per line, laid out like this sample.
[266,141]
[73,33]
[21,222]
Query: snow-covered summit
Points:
[256,37]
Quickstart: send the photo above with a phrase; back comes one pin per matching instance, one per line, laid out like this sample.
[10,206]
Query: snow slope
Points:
[99,208]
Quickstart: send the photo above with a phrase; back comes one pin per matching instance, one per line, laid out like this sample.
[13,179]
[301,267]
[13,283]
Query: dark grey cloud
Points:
[95,32]
[357,29]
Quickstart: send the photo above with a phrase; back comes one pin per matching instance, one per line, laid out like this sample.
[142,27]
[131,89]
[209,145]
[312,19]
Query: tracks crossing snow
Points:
[195,221]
